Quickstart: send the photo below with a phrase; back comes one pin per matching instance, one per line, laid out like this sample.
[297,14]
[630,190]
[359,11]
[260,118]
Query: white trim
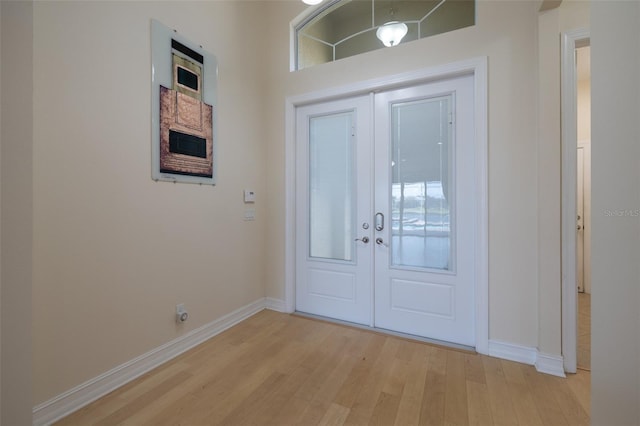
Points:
[290,207]
[274,304]
[87,392]
[425,75]
[550,364]
[544,363]
[512,352]
[569,177]
[478,67]
[482,208]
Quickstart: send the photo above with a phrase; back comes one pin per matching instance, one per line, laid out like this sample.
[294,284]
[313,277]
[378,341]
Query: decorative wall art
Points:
[183,99]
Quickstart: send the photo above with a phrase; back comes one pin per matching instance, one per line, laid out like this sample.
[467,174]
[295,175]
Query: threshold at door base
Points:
[433,342]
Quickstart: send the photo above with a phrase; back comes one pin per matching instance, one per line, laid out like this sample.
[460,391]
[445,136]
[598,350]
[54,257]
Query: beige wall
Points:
[547,154]
[114,251]
[16,189]
[615,67]
[570,15]
[584,95]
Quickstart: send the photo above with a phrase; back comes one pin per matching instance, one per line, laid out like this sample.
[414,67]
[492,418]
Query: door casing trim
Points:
[476,67]
[569,142]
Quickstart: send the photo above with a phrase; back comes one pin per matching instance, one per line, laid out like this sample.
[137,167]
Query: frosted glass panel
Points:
[421,187]
[331,189]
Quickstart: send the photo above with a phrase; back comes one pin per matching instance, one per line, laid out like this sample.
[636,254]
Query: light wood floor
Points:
[584,331]
[277,369]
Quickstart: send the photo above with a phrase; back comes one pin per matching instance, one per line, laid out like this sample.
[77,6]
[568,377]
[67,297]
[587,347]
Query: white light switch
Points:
[249,196]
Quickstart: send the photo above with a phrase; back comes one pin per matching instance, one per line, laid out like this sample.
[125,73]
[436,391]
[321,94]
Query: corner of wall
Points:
[16,224]
[548,196]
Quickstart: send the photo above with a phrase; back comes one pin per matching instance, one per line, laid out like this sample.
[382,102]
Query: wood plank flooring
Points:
[278,369]
[584,331]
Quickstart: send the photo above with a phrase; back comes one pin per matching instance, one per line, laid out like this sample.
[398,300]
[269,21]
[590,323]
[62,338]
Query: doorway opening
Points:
[576,200]
[583,240]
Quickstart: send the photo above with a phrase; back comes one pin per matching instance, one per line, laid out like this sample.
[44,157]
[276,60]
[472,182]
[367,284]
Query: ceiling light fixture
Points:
[311,2]
[392,32]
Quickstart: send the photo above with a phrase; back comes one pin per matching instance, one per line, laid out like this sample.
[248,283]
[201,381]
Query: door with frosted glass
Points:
[424,208]
[333,208]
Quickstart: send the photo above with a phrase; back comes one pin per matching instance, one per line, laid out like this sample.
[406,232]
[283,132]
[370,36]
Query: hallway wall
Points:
[615,67]
[16,167]
[114,251]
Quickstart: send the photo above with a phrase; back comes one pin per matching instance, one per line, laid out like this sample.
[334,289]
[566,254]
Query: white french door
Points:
[424,262]
[333,200]
[385,210]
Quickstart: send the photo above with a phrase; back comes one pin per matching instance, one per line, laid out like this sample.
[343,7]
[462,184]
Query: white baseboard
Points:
[550,364]
[85,393]
[275,304]
[544,363]
[512,352]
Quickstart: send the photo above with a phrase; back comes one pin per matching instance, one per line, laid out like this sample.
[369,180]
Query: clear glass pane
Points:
[451,15]
[312,52]
[422,187]
[331,192]
[402,10]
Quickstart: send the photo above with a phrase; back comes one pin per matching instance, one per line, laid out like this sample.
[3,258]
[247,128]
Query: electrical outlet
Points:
[181,313]
[249,214]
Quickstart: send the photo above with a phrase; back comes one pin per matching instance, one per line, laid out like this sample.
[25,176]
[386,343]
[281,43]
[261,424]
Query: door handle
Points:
[379,221]
[363,239]
[380,242]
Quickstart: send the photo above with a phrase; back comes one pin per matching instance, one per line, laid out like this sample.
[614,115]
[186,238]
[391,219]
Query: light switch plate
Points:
[249,196]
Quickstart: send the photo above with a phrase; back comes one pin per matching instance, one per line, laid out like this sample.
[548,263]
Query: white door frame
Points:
[569,142]
[477,67]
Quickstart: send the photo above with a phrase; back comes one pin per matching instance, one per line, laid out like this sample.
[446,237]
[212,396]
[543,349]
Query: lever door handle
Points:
[363,239]
[380,242]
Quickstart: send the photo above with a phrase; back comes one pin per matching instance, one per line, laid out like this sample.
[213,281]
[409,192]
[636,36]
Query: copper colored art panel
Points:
[183,101]
[186,134]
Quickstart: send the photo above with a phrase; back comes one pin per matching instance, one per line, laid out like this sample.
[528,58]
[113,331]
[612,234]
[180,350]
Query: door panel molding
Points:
[476,67]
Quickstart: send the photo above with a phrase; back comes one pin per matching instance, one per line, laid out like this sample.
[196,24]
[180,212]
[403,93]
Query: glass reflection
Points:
[421,190]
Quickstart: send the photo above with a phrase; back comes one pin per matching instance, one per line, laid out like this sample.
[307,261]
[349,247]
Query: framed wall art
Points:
[183,109]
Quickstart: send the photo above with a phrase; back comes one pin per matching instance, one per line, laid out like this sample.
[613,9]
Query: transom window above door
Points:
[338,29]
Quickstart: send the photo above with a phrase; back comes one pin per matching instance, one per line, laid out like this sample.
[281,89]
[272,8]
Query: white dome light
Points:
[392,32]
[311,2]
